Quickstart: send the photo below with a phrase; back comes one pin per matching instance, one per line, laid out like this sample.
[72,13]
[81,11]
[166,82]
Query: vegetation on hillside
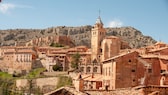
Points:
[56,45]
[8,86]
[36,73]
[64,81]
[6,83]
[5,75]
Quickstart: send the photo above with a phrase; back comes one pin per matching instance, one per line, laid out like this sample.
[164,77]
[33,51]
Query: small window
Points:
[149,70]
[95,69]
[133,80]
[88,69]
[133,70]
[100,50]
[82,69]
[129,60]
[161,71]
[100,44]
[109,71]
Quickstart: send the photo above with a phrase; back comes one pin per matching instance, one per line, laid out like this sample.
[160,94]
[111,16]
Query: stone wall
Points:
[45,84]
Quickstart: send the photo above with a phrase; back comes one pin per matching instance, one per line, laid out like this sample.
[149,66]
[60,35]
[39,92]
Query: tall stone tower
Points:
[97,35]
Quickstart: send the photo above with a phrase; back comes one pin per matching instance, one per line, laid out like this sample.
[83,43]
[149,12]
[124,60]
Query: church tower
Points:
[97,35]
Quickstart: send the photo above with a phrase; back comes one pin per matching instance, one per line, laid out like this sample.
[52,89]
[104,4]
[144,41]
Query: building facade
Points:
[17,59]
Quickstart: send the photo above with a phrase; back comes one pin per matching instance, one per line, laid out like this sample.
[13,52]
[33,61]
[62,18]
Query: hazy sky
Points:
[148,16]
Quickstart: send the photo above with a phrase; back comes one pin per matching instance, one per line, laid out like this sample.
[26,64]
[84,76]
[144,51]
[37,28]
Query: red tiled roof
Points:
[153,50]
[155,56]
[94,78]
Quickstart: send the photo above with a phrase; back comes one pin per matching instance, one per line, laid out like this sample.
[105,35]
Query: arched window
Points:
[88,69]
[95,69]
[82,69]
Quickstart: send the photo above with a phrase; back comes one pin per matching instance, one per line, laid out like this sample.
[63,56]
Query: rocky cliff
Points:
[79,35]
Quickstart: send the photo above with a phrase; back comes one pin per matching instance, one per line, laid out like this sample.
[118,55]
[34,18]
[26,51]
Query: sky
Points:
[148,16]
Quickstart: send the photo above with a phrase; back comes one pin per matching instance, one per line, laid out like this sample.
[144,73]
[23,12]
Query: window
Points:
[100,50]
[88,69]
[95,69]
[129,60]
[103,71]
[94,33]
[106,71]
[161,71]
[82,69]
[109,71]
[100,43]
[132,70]
[149,70]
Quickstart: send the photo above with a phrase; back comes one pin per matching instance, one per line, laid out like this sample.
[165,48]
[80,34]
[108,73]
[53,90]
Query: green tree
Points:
[57,67]
[75,61]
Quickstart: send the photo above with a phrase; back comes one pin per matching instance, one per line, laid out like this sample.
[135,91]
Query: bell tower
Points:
[97,35]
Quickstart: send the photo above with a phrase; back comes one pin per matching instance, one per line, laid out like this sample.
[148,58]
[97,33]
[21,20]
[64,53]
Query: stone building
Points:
[120,71]
[98,33]
[17,59]
[102,46]
[110,47]
[146,68]
[50,56]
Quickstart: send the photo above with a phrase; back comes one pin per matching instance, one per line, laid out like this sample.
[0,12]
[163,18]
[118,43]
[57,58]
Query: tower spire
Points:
[98,21]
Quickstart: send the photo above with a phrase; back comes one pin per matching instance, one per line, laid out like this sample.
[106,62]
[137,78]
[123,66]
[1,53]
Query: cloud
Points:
[115,23]
[6,7]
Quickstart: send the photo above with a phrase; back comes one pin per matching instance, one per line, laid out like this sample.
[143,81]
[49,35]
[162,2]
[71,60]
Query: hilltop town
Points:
[108,66]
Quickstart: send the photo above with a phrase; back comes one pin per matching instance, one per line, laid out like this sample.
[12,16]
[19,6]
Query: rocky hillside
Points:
[134,37]
[80,35]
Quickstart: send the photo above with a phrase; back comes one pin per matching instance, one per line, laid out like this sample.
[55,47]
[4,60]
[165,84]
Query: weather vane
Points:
[99,12]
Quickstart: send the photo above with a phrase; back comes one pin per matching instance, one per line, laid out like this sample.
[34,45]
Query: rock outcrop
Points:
[131,35]
[79,35]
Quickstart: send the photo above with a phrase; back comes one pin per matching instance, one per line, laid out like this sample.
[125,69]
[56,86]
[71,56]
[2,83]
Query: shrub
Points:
[56,45]
[57,68]
[64,81]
